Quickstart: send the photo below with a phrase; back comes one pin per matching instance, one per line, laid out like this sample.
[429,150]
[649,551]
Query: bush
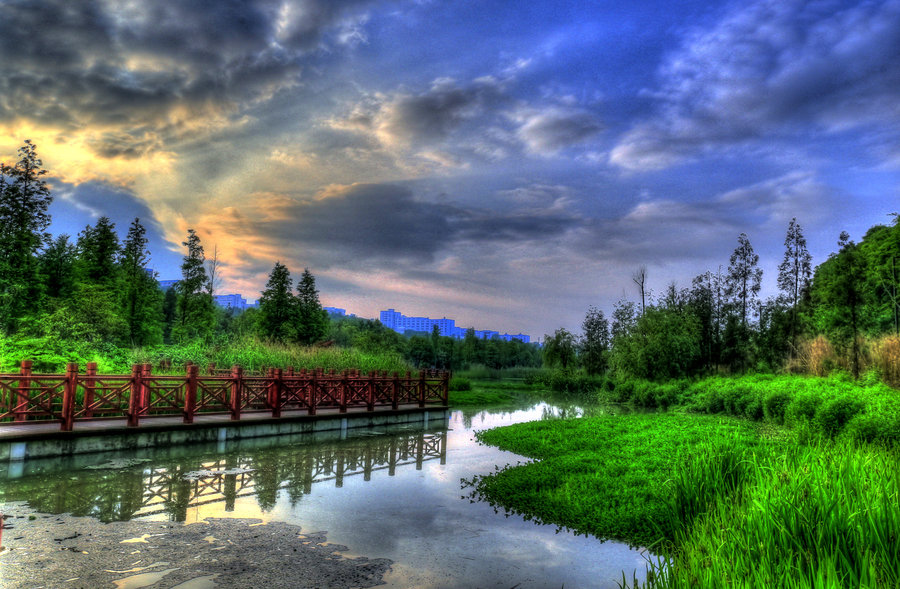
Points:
[834,414]
[775,404]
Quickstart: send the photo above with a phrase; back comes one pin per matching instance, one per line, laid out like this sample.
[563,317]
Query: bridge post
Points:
[190,393]
[395,391]
[23,393]
[313,391]
[371,390]
[134,396]
[68,400]
[421,388]
[237,383]
[345,384]
[277,375]
[89,385]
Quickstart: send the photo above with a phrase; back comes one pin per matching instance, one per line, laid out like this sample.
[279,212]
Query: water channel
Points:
[384,494]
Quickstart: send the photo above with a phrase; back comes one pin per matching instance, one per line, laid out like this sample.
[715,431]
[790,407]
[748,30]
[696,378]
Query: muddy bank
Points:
[41,550]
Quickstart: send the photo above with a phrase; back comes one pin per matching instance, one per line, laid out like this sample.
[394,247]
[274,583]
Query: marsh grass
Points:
[819,515]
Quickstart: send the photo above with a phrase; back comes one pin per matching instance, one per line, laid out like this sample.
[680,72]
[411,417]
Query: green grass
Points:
[51,356]
[489,392]
[604,475]
[728,502]
[835,406]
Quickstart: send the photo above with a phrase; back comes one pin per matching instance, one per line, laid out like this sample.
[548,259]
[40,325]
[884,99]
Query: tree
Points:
[98,253]
[840,295]
[213,269]
[794,272]
[559,349]
[312,320]
[640,279]
[142,300]
[24,219]
[196,313]
[744,278]
[277,306]
[56,264]
[594,341]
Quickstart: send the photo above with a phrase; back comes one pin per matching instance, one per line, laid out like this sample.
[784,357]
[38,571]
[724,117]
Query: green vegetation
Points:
[725,502]
[482,393]
[603,475]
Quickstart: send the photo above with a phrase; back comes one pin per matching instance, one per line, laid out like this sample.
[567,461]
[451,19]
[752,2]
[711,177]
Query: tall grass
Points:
[250,353]
[818,515]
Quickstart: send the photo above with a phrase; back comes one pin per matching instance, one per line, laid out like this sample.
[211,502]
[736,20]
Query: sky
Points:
[506,164]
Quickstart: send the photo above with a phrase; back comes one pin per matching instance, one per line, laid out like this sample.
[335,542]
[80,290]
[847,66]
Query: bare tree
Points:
[212,270]
[640,279]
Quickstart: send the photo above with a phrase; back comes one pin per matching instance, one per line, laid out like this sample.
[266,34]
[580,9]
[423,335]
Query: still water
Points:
[391,493]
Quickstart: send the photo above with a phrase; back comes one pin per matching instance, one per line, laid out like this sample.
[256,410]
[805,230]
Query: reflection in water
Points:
[147,487]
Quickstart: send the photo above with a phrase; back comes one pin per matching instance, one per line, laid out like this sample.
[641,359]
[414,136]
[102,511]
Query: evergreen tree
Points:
[195,310]
[142,300]
[98,252]
[24,218]
[595,341]
[311,319]
[278,306]
[57,268]
[744,278]
[794,272]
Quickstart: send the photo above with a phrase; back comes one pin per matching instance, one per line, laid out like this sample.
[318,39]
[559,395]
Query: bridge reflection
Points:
[131,487]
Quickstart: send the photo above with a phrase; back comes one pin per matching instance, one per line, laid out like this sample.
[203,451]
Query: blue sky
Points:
[504,163]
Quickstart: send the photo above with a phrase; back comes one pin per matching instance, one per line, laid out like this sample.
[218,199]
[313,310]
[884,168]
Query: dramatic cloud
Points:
[773,68]
[546,131]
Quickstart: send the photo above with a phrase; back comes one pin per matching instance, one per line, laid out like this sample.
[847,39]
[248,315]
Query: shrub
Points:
[460,384]
[775,404]
[834,414]
[802,408]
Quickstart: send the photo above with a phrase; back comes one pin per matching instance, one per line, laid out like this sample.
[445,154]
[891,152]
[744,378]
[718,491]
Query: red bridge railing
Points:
[74,396]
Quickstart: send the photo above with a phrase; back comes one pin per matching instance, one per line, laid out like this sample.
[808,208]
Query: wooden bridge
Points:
[27,398]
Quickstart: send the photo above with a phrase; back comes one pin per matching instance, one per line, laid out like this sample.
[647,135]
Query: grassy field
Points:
[479,393]
[727,501]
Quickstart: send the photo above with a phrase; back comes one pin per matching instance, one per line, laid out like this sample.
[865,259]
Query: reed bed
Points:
[818,515]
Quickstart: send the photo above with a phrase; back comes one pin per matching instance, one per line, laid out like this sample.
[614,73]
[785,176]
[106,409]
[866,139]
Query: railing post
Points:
[211,369]
[90,384]
[371,391]
[237,383]
[146,377]
[190,393]
[445,388]
[134,397]
[421,388]
[68,400]
[277,375]
[313,392]
[395,391]
[345,385]
[23,393]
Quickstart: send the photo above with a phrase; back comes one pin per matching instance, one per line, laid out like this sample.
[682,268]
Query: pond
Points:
[390,493]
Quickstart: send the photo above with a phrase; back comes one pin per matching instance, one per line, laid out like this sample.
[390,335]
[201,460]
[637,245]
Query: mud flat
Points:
[41,550]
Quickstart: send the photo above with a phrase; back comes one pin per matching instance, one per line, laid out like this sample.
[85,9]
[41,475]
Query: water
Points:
[388,493]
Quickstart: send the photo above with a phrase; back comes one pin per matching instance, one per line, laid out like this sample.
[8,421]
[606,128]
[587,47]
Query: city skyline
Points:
[510,163]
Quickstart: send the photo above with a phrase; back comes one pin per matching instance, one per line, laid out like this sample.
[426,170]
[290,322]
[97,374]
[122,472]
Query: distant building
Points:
[167,284]
[231,301]
[447,327]
[336,311]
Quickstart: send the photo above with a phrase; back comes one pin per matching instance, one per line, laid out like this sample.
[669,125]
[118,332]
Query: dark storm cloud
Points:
[773,67]
[549,130]
[165,64]
[386,222]
[434,114]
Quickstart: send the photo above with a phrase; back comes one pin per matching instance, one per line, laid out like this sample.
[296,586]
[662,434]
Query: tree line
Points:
[97,289]
[720,323]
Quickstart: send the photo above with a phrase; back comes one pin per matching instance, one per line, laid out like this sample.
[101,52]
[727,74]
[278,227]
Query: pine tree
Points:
[98,251]
[24,219]
[795,272]
[278,306]
[311,319]
[57,268]
[141,298]
[196,313]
